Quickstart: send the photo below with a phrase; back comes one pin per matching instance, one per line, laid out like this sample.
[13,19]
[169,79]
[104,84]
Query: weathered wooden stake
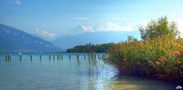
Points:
[20,57]
[40,57]
[70,57]
[78,61]
[5,57]
[31,57]
[10,57]
[84,56]
[99,56]
[53,57]
[49,57]
[58,57]
[62,57]
[77,56]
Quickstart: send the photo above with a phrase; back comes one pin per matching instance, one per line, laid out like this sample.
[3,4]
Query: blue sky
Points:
[60,16]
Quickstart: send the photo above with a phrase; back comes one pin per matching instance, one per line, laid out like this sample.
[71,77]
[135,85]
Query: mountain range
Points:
[79,36]
[12,39]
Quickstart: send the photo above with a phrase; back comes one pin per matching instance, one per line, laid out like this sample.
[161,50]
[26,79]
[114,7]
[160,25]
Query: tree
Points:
[161,28]
[100,48]
[131,39]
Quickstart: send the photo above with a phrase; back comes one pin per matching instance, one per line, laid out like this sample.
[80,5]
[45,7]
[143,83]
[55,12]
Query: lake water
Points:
[73,71]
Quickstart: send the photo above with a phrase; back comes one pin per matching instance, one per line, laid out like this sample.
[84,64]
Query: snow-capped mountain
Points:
[12,39]
[79,36]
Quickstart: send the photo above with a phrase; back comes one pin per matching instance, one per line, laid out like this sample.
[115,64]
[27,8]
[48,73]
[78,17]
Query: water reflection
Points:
[78,60]
[67,72]
[119,82]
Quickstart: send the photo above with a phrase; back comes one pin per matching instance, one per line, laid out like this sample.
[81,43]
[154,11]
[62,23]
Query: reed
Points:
[160,58]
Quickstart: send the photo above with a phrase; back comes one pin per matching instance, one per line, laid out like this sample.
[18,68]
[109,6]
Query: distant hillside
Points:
[12,39]
[98,48]
[92,37]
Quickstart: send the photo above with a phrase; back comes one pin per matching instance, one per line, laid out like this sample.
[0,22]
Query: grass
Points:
[160,58]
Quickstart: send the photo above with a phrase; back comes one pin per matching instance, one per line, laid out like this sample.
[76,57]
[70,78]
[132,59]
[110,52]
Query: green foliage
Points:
[91,48]
[159,54]
[158,57]
[131,39]
[161,28]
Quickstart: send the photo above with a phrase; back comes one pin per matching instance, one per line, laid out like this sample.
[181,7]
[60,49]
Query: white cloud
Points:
[45,33]
[81,18]
[110,26]
[87,28]
[179,22]
[133,26]
[127,27]
[141,23]
[18,2]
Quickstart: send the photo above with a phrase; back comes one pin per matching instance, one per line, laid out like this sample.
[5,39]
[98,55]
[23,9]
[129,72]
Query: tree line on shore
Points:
[97,48]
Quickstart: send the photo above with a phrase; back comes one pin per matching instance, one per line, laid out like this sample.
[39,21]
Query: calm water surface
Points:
[72,72]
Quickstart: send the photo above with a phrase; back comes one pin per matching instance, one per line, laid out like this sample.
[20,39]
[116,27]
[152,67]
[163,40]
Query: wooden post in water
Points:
[58,57]
[89,60]
[62,57]
[69,57]
[99,56]
[103,56]
[95,56]
[31,57]
[77,56]
[9,57]
[6,57]
[20,57]
[78,61]
[49,57]
[92,56]
[84,56]
[53,57]
[89,57]
[40,57]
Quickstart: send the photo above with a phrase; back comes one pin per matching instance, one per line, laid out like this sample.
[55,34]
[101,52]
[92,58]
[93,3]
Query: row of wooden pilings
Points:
[7,57]
[58,57]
